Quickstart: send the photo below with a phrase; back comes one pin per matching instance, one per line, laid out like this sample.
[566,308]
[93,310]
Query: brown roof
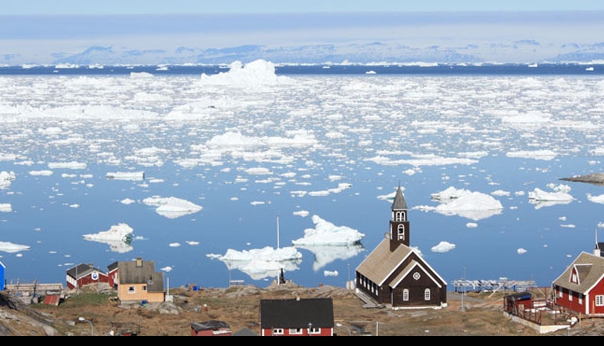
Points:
[141,272]
[380,263]
[590,269]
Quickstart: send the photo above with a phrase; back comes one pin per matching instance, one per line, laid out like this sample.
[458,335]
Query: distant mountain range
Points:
[525,51]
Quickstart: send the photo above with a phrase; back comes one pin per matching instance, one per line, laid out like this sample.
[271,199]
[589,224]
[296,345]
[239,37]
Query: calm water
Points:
[425,131]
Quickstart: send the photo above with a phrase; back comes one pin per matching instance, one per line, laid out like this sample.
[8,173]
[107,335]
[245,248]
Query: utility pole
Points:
[463,279]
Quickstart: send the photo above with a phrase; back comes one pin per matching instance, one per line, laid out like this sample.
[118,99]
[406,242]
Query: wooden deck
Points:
[30,289]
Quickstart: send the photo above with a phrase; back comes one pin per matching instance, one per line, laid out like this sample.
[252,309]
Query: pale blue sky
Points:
[113,7]
[39,31]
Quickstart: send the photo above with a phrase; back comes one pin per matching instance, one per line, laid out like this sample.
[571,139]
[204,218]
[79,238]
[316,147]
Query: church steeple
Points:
[399,225]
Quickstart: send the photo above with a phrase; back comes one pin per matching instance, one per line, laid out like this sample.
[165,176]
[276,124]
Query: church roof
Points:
[380,263]
[399,202]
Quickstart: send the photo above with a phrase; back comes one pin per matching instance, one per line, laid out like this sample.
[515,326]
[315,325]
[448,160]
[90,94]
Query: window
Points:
[570,296]
[131,290]
[278,331]
[294,331]
[314,330]
[427,294]
[399,216]
[144,288]
[560,293]
[600,300]
[401,232]
[580,300]
[406,295]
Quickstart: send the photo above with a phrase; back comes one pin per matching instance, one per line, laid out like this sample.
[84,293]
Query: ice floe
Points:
[11,247]
[172,207]
[118,237]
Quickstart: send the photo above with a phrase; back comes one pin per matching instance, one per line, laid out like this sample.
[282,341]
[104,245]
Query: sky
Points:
[42,31]
[116,7]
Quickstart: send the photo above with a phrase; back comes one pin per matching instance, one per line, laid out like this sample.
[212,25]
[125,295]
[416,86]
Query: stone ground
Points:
[239,307]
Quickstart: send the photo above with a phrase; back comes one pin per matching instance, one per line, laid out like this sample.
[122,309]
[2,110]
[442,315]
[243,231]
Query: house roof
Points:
[82,270]
[133,273]
[112,267]
[245,332]
[590,271]
[210,325]
[296,313]
[381,263]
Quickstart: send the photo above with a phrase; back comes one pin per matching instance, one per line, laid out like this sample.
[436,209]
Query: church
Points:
[395,275]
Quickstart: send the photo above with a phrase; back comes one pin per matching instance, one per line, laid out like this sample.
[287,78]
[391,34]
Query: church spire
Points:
[399,202]
[399,226]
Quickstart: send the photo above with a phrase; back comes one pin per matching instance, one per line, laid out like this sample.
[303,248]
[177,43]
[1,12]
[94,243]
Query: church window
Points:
[406,295]
[401,232]
[427,294]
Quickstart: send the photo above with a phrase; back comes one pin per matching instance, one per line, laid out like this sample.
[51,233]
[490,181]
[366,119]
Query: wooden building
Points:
[85,274]
[2,279]
[580,288]
[112,274]
[138,281]
[296,317]
[394,274]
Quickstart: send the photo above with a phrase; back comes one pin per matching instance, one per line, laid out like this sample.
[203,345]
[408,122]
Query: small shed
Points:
[515,303]
[2,267]
[210,328]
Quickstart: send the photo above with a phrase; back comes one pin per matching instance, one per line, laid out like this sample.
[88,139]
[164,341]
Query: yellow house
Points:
[138,281]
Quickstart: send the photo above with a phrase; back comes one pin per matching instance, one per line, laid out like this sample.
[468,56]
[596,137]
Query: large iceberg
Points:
[326,233]
[118,237]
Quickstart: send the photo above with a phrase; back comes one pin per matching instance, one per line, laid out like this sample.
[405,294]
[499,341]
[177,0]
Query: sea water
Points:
[373,132]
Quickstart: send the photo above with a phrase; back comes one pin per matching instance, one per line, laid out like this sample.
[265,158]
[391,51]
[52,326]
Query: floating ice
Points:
[126,175]
[443,246]
[118,237]
[546,199]
[6,207]
[326,233]
[261,263]
[172,207]
[472,205]
[68,165]
[6,179]
[259,72]
[11,247]
[521,251]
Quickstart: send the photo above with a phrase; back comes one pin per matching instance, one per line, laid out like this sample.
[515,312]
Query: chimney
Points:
[139,262]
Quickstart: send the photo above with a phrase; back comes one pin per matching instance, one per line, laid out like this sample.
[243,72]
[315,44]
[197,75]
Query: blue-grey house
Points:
[2,276]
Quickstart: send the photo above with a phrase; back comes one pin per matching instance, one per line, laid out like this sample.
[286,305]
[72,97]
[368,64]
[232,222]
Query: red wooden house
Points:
[580,288]
[85,274]
[394,274]
[296,317]
[112,274]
